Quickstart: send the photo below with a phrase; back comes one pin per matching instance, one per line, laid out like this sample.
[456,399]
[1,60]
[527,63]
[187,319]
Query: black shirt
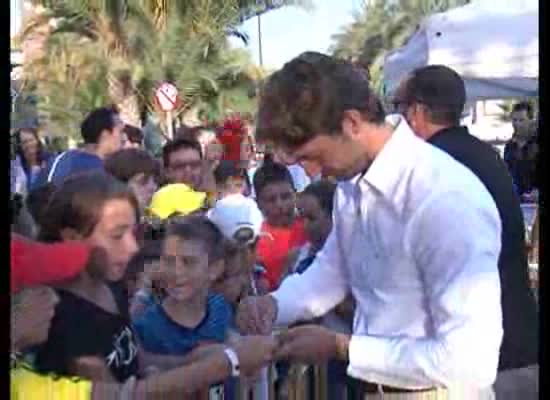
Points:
[519,310]
[81,328]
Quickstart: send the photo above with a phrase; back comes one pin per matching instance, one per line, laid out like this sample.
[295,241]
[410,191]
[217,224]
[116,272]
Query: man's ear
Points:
[70,234]
[352,121]
[215,270]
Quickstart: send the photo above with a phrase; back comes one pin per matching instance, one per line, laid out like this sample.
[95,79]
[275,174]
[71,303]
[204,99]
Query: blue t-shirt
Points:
[66,164]
[159,334]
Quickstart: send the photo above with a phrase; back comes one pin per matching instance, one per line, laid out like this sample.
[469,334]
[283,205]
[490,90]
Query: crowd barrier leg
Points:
[304,382]
[320,379]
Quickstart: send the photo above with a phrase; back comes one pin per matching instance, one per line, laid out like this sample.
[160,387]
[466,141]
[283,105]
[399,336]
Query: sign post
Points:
[170,124]
[167,97]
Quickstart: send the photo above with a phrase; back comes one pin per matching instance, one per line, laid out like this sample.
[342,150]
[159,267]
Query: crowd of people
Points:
[389,246]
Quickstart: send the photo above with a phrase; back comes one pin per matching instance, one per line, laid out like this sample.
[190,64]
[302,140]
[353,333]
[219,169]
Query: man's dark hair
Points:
[133,133]
[309,96]
[127,163]
[440,89]
[323,191]
[198,227]
[523,106]
[269,174]
[96,122]
[177,145]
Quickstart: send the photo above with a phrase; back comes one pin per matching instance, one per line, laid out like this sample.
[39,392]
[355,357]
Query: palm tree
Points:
[144,42]
[68,84]
[382,26]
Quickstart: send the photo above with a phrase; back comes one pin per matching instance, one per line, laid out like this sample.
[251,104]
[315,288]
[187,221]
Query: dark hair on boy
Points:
[309,96]
[188,132]
[127,163]
[198,227]
[133,133]
[96,122]
[228,169]
[523,106]
[323,191]
[271,173]
[148,253]
[177,145]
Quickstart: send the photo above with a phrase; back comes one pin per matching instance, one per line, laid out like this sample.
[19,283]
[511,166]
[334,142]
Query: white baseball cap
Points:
[238,218]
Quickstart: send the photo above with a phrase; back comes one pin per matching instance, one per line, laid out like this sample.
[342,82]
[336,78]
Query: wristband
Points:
[233,360]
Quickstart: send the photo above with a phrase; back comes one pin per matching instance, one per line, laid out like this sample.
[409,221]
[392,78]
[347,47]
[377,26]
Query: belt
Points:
[368,387]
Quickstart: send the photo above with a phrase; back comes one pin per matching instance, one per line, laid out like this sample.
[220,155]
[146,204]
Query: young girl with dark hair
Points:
[92,316]
[31,153]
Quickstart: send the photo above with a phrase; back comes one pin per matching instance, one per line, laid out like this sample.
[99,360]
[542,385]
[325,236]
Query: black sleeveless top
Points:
[81,328]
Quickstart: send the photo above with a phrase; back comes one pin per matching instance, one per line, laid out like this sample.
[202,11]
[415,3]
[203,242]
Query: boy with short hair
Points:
[240,221]
[189,315]
[283,230]
[230,179]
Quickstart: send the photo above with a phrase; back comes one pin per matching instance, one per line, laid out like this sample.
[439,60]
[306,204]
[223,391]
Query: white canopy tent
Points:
[495,51]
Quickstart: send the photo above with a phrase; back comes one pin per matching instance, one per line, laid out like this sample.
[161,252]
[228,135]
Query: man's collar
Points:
[451,130]
[386,171]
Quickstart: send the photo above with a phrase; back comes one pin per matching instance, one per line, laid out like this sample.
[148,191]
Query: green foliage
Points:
[120,50]
[382,26]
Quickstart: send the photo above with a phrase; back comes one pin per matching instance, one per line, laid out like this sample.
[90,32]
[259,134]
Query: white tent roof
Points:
[496,52]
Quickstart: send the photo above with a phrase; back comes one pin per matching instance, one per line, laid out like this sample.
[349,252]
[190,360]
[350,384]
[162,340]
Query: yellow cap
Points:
[176,198]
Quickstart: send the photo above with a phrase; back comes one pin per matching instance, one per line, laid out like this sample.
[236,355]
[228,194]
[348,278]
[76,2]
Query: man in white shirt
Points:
[415,239]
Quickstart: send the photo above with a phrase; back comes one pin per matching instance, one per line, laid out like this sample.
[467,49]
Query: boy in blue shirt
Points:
[189,315]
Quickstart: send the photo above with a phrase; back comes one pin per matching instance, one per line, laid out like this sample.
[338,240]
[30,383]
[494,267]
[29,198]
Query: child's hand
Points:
[262,285]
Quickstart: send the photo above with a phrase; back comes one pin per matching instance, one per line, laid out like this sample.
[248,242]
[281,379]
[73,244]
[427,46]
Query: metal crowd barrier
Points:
[304,382]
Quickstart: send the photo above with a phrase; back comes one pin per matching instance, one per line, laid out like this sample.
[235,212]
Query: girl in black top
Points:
[91,319]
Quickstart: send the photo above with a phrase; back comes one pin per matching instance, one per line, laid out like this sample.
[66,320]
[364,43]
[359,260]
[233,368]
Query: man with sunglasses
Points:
[432,99]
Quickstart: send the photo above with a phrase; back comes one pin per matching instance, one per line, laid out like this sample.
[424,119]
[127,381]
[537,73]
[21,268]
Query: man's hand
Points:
[256,315]
[311,344]
[254,352]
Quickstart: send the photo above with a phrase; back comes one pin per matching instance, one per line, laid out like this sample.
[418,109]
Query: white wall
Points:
[512,4]
[488,124]
[16,13]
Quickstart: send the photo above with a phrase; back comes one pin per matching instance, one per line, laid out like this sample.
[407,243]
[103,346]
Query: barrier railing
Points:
[304,382]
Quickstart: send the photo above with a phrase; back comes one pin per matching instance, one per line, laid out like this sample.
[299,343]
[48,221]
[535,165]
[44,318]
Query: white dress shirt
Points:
[299,177]
[416,239]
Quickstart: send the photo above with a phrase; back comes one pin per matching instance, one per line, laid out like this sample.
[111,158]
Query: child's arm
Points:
[149,361]
[92,368]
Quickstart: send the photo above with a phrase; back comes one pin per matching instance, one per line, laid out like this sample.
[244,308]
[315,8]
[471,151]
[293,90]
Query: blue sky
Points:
[290,31]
